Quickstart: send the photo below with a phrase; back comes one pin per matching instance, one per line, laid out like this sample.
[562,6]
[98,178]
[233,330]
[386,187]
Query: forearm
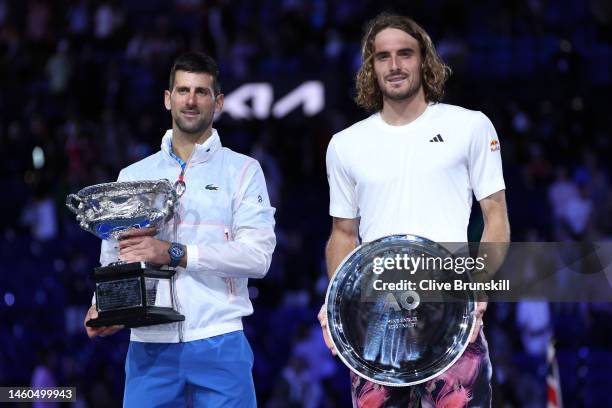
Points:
[342,241]
[496,233]
[493,244]
[338,247]
[496,229]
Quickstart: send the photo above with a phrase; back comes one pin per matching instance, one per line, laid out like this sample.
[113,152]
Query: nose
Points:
[191,98]
[394,63]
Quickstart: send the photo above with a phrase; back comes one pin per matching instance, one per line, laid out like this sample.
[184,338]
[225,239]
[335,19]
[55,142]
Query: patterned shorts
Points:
[466,384]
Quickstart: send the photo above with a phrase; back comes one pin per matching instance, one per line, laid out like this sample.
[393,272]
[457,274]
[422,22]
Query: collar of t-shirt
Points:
[401,129]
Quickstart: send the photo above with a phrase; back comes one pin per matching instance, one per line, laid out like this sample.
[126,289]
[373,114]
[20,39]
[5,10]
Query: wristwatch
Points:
[176,252]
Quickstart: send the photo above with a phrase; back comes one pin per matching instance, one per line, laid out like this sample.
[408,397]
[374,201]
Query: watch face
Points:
[176,251]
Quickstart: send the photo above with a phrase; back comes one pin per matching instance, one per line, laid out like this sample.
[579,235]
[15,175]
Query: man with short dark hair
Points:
[411,168]
[224,235]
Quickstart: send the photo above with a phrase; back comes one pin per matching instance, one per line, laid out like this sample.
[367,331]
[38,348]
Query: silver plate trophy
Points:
[397,334]
[137,293]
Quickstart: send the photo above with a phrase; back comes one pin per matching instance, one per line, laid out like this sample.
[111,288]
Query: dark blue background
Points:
[91,100]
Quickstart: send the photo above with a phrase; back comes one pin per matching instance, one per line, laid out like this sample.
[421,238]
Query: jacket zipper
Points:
[178,309]
[181,178]
[174,279]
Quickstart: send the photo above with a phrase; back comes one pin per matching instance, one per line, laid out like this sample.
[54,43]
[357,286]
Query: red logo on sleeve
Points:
[494,145]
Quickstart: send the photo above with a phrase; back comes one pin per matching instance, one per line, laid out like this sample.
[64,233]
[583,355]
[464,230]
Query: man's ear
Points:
[219,99]
[167,100]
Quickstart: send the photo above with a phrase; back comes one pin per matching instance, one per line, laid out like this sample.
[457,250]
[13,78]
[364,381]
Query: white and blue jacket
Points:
[227,224]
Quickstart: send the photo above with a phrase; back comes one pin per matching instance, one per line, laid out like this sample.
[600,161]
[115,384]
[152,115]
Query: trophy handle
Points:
[70,202]
[169,209]
[174,194]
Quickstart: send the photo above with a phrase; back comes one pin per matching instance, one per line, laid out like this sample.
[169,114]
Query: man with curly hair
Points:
[412,168]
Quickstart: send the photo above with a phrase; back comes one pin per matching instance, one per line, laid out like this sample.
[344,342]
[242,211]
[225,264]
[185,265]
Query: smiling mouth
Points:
[396,79]
[190,113]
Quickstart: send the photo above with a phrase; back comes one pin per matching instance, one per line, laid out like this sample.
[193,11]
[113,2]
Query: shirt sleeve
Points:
[342,194]
[248,252]
[485,164]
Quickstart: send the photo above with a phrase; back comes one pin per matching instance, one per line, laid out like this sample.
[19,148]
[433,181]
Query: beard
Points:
[195,127]
[401,95]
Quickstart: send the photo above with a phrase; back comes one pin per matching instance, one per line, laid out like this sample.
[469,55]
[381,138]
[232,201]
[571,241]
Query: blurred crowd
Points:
[81,86]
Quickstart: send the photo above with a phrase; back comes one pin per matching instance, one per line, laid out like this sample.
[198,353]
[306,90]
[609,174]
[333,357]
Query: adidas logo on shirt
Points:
[438,138]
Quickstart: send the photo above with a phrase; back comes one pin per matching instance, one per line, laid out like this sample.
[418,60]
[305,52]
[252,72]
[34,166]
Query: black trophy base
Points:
[148,316]
[126,293]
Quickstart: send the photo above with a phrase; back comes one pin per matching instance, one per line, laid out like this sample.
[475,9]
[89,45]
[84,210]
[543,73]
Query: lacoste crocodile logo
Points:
[211,187]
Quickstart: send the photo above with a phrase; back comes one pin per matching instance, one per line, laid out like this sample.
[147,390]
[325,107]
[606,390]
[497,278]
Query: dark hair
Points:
[196,62]
[434,72]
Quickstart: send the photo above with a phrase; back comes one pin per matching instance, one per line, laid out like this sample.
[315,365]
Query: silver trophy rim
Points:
[94,188]
[85,190]
[76,201]
[332,287]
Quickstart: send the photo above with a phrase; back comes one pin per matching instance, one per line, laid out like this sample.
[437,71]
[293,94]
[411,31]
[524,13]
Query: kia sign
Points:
[256,100]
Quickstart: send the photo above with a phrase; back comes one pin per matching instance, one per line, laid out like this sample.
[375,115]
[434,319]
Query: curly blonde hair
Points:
[434,72]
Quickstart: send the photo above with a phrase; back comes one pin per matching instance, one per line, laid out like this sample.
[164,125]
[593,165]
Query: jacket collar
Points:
[201,153]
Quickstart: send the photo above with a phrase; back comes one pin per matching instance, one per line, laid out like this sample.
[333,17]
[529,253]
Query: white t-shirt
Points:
[414,179]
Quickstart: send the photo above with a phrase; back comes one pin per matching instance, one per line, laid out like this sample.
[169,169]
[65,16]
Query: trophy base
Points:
[142,317]
[134,294]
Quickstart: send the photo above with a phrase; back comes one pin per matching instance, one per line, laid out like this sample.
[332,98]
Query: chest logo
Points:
[211,187]
[437,138]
